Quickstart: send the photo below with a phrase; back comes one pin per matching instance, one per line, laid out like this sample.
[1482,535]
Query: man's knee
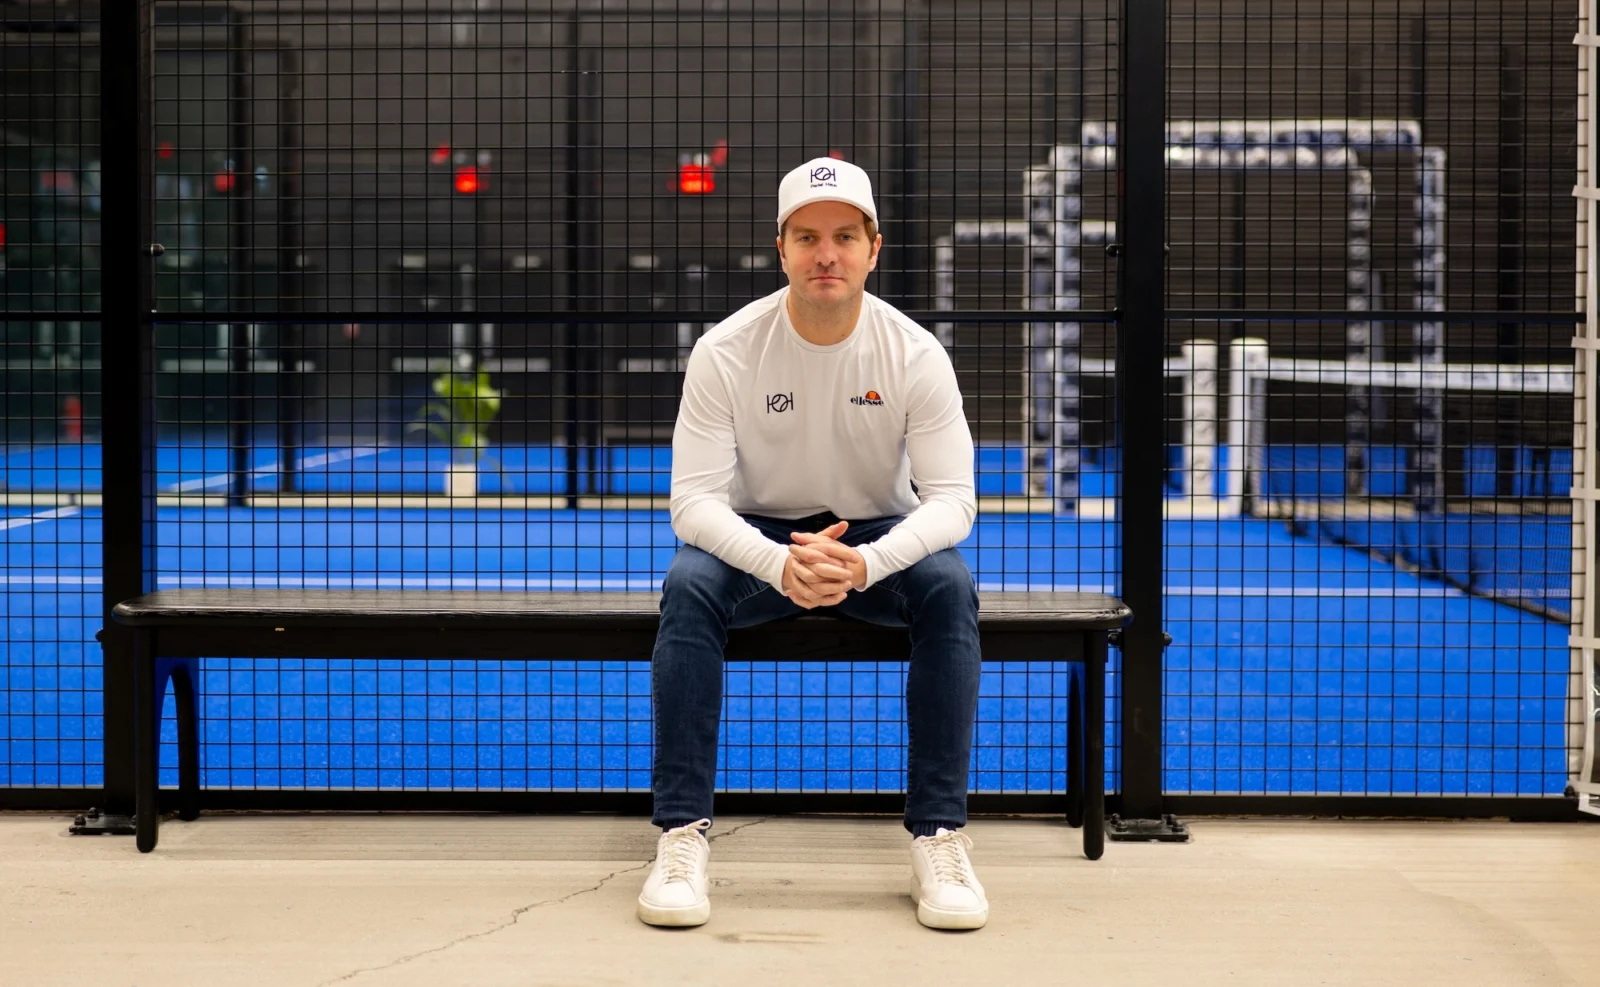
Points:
[943,575]
[696,574]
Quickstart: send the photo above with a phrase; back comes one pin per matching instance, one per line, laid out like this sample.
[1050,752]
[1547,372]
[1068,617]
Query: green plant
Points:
[461,415]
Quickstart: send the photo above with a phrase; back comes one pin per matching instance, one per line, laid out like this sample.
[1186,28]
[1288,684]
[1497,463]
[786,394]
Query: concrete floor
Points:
[361,899]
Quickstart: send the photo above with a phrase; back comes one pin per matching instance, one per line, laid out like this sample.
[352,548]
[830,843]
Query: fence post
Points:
[127,408]
[1141,346]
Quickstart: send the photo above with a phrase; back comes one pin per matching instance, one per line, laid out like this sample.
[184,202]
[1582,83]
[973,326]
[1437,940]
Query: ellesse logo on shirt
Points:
[871,397]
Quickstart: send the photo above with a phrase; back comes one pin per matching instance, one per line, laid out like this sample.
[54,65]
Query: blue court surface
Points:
[417,469]
[1297,665]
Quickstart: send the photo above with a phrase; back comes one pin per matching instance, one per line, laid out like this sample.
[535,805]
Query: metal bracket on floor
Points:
[1167,829]
[96,823]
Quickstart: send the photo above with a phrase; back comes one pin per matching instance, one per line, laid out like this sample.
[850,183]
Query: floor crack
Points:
[515,915]
[753,822]
[523,910]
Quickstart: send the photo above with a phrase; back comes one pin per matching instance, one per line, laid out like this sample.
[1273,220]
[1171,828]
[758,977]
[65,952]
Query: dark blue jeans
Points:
[703,597]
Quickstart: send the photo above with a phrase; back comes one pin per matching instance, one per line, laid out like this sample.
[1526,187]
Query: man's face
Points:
[825,252]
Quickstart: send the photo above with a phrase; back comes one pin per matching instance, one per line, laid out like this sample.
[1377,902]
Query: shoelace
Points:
[947,857]
[679,853]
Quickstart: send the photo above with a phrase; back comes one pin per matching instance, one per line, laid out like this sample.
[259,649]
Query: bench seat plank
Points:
[630,610]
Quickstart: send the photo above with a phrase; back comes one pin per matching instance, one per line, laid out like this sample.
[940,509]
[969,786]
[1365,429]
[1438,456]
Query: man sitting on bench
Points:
[818,403]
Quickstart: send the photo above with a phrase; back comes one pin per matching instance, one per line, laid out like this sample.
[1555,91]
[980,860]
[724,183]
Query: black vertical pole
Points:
[1141,290]
[128,484]
[575,302]
[592,248]
[895,279]
[1508,292]
[1048,112]
[1419,70]
[1428,419]
[241,263]
[1080,85]
[291,269]
[913,246]
[1355,82]
[1237,254]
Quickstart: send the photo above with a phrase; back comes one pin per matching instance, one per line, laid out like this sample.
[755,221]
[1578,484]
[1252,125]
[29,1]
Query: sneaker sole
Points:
[682,917]
[941,918]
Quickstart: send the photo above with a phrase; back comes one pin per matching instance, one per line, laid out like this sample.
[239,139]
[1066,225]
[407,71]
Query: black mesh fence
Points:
[430,275]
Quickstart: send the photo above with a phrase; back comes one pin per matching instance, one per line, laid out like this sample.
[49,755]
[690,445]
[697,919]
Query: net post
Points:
[1199,452]
[1361,296]
[1247,361]
[1428,337]
[1067,296]
[1039,397]
[944,289]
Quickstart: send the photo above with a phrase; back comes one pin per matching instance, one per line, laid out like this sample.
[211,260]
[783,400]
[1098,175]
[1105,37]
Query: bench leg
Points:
[146,739]
[183,690]
[1094,747]
[1075,735]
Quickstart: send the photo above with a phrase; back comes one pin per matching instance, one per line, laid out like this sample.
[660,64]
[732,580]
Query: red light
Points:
[223,182]
[164,150]
[719,155]
[696,179]
[836,154]
[468,180]
[2,236]
[440,154]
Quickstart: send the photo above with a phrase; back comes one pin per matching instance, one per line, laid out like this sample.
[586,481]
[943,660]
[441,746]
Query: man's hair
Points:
[872,229]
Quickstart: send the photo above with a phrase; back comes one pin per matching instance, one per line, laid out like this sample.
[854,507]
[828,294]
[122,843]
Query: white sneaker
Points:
[943,883]
[675,892]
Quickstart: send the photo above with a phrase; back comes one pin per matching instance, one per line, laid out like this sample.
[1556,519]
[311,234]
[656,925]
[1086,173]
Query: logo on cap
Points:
[822,175]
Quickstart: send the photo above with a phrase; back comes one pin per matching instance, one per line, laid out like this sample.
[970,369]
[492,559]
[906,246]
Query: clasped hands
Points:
[820,570]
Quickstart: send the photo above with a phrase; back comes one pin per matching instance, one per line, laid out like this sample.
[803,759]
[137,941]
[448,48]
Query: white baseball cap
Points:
[825,180]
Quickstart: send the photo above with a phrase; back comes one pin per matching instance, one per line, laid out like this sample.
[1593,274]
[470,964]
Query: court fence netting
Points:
[1263,322]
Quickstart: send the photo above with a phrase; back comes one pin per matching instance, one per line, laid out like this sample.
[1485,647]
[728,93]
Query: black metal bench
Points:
[174,628]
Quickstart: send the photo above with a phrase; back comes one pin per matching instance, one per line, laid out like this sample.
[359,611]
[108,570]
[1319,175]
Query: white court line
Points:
[322,459]
[522,583]
[50,515]
[1362,592]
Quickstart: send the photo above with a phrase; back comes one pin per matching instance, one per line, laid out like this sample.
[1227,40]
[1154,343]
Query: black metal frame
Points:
[126,42]
[173,630]
[128,318]
[1141,345]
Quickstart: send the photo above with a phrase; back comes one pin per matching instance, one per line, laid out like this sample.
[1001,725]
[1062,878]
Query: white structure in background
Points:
[1585,639]
[1052,397]
[1055,230]
[1251,367]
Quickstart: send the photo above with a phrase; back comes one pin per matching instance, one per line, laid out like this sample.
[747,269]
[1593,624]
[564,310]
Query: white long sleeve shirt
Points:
[772,424]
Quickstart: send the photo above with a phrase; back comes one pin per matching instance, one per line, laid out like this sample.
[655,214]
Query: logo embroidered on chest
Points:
[779,403]
[871,397]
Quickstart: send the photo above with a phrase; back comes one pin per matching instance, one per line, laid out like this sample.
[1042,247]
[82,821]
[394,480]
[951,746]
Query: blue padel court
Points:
[1298,665]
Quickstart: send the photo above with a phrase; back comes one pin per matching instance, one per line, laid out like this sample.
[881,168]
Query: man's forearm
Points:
[939,523]
[712,526]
